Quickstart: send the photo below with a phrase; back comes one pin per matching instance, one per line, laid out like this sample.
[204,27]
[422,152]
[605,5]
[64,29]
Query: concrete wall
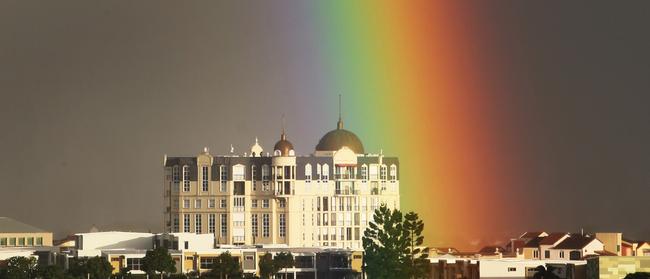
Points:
[614,267]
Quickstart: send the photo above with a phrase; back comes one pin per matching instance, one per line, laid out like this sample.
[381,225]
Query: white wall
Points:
[195,241]
[91,244]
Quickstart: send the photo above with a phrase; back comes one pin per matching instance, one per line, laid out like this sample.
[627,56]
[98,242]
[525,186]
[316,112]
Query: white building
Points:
[325,199]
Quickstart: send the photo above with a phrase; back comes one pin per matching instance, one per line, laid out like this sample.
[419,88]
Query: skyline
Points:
[534,123]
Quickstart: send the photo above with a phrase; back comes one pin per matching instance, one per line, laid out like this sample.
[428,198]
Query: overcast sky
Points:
[93,95]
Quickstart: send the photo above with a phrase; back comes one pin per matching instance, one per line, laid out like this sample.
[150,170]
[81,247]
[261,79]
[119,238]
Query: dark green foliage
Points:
[226,267]
[96,267]
[392,245]
[284,260]
[158,261]
[19,268]
[638,275]
[385,243]
[417,265]
[51,272]
[267,266]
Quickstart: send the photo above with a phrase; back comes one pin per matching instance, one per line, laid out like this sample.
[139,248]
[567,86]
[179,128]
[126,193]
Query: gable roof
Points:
[531,234]
[533,243]
[8,225]
[575,242]
[552,238]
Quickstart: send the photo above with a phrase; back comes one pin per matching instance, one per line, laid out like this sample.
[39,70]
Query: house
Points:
[613,242]
[577,247]
[643,248]
[531,248]
[548,242]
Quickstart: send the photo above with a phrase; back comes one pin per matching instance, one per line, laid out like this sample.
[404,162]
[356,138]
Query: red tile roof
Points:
[574,242]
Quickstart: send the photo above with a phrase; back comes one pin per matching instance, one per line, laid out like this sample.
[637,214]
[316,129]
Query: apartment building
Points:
[324,199]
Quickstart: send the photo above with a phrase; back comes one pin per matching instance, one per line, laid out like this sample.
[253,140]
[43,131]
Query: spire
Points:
[339,125]
[283,136]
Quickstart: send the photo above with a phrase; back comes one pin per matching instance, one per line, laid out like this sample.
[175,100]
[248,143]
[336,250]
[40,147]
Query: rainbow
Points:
[414,84]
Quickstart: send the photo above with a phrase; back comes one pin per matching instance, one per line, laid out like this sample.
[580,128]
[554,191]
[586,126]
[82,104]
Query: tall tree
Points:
[98,268]
[385,242]
[158,261]
[416,263]
[19,268]
[50,272]
[227,267]
[284,260]
[267,266]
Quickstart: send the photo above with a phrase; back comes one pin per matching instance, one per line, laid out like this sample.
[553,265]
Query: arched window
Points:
[326,172]
[308,172]
[277,153]
[175,174]
[186,178]
[393,173]
[238,172]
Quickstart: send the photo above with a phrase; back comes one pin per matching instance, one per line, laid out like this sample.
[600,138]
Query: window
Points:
[254,203]
[211,203]
[222,203]
[175,174]
[186,179]
[176,225]
[265,225]
[308,173]
[186,223]
[239,202]
[265,203]
[205,179]
[364,173]
[12,241]
[253,174]
[283,225]
[224,225]
[547,254]
[282,203]
[224,178]
[393,173]
[326,173]
[512,269]
[197,203]
[382,174]
[238,172]
[254,224]
[562,254]
[186,203]
[3,241]
[197,223]
[133,263]
[207,262]
[535,254]
[374,171]
[211,223]
[265,173]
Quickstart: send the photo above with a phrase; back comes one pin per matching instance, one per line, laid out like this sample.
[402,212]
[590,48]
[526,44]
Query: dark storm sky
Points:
[93,95]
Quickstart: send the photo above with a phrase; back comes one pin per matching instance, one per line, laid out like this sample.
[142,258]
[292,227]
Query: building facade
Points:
[325,199]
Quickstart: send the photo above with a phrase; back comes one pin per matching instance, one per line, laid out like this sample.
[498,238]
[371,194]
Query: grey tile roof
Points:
[8,225]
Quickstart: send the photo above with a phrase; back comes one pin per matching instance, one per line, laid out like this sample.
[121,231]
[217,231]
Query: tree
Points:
[226,267]
[543,273]
[158,261]
[19,268]
[284,260]
[386,243]
[267,266]
[50,272]
[98,268]
[416,264]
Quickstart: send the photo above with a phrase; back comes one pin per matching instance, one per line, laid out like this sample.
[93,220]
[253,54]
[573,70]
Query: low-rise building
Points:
[17,234]
[577,246]
[616,267]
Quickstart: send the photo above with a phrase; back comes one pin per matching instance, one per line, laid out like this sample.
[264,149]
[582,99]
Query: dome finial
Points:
[339,125]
